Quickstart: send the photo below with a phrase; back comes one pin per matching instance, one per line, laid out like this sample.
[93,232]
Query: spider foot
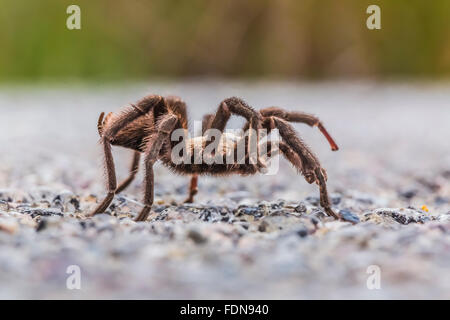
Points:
[189,199]
[143,214]
[103,205]
[331,213]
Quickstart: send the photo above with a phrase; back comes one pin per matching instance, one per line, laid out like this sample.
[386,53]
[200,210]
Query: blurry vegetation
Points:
[135,39]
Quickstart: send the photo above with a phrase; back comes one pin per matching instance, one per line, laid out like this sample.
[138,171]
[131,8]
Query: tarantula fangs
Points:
[147,127]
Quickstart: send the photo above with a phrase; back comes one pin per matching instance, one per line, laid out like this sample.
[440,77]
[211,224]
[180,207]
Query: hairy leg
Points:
[153,148]
[110,178]
[235,106]
[178,107]
[311,168]
[324,199]
[130,114]
[239,107]
[288,153]
[107,131]
[133,170]
[193,189]
[294,116]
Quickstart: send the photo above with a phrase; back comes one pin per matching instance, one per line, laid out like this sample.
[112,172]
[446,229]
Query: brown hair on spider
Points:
[146,127]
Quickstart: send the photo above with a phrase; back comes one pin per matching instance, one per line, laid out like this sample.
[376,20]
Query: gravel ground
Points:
[244,237]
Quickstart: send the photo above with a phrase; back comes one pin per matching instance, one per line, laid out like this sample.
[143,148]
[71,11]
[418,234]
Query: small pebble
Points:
[301,208]
[409,194]
[197,237]
[349,216]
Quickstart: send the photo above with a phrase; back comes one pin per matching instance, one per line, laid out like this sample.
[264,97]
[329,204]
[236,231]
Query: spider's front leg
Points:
[111,181]
[154,145]
[108,130]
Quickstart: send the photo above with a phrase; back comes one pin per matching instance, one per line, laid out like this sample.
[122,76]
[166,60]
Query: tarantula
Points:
[146,127]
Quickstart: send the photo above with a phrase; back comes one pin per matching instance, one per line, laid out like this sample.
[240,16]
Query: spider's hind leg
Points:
[193,189]
[302,117]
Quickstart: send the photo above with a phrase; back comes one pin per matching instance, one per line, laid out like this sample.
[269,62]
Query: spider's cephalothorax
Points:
[147,126]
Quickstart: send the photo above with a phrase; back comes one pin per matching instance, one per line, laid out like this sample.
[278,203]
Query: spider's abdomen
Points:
[134,134]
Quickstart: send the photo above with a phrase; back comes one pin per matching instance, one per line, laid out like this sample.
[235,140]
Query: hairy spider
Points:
[146,127]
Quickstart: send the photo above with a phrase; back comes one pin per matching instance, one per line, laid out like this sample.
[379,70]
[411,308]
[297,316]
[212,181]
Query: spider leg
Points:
[235,106]
[133,170]
[179,107]
[238,107]
[108,132]
[102,121]
[287,151]
[100,124]
[193,189]
[141,108]
[165,126]
[324,199]
[310,165]
[111,181]
[302,117]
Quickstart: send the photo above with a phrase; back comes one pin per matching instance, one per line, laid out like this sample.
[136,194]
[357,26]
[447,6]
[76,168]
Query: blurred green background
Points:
[137,39]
